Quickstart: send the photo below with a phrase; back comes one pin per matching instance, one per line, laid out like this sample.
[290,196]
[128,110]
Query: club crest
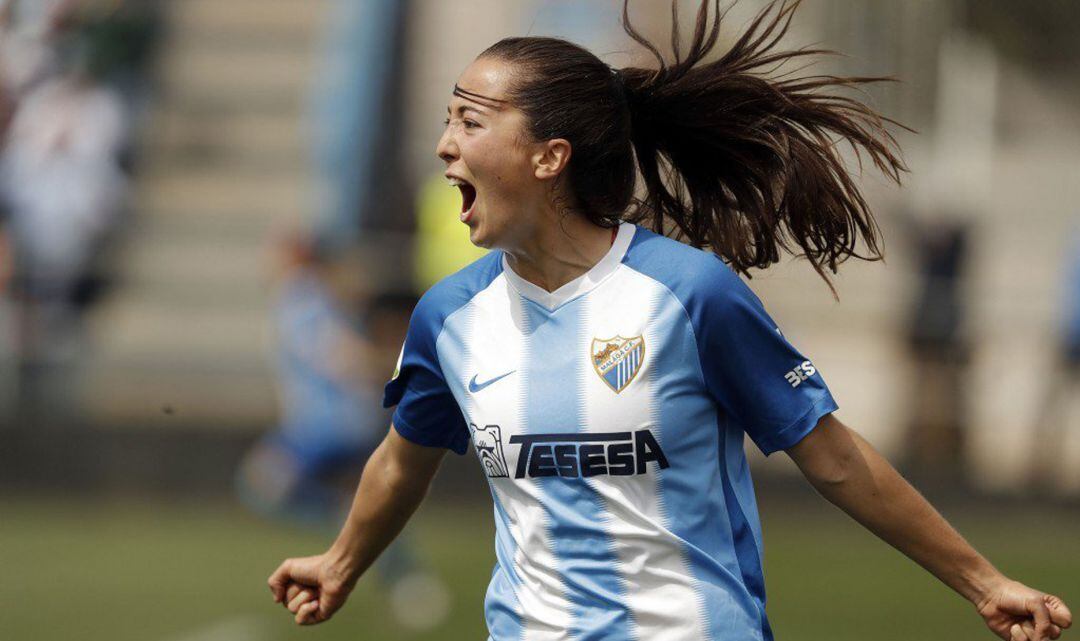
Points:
[617,360]
[487,441]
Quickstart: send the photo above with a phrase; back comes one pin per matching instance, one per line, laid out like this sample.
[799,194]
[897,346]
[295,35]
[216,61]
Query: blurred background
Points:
[215,218]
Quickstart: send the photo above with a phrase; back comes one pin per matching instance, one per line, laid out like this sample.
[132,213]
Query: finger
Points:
[299,600]
[304,614]
[1041,614]
[315,616]
[279,579]
[291,592]
[1059,613]
[1029,630]
[1016,633]
[1055,631]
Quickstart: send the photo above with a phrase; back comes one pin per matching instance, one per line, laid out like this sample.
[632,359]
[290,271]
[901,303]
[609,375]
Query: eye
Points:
[469,124]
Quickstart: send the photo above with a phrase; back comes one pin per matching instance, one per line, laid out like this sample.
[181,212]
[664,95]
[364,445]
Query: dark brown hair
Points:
[732,160]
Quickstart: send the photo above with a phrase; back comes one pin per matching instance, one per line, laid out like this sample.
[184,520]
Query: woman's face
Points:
[486,145]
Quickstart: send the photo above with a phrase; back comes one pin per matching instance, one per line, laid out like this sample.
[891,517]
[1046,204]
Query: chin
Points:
[484,244]
[477,238]
[482,235]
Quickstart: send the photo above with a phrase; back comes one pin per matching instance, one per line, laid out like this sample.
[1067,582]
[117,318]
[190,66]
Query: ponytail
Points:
[732,160]
[747,166]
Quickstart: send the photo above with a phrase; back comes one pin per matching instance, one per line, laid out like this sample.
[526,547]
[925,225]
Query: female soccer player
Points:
[606,374]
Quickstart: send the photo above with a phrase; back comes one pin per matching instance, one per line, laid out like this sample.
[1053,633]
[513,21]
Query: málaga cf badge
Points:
[617,360]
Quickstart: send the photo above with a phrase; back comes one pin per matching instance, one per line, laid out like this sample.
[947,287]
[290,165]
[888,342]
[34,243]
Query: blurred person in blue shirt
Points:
[305,469]
[329,414]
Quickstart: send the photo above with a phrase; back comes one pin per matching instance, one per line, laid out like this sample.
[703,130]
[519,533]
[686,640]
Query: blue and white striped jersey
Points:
[609,417]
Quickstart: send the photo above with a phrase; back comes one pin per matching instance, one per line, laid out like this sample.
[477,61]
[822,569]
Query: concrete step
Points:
[208,191]
[181,291]
[160,221]
[244,75]
[265,18]
[194,261]
[208,363]
[168,336]
[115,396]
[227,136]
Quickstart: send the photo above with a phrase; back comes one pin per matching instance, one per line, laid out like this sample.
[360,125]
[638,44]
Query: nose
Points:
[447,148]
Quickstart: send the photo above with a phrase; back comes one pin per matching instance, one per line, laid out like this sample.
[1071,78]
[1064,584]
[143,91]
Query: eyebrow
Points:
[464,108]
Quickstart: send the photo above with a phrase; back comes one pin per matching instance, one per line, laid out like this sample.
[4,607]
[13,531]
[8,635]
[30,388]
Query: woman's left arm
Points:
[852,475]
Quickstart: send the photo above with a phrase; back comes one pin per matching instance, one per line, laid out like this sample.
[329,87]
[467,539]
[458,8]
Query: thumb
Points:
[1059,612]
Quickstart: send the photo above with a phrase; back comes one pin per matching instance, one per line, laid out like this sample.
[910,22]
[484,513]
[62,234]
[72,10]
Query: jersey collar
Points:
[580,285]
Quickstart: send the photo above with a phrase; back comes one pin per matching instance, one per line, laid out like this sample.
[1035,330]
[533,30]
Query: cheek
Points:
[509,165]
[511,175]
[504,172]
[507,193]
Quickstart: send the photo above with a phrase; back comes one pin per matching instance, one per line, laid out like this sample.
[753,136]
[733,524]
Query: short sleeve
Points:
[426,413]
[751,370]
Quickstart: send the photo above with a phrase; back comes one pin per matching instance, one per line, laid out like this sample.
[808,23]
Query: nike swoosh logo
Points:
[475,387]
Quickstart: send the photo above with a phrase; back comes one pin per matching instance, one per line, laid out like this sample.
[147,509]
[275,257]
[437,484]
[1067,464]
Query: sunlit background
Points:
[216,215]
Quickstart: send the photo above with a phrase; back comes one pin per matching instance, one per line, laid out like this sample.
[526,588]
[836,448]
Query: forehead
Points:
[484,84]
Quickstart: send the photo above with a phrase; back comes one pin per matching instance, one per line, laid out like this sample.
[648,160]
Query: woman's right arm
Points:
[394,482]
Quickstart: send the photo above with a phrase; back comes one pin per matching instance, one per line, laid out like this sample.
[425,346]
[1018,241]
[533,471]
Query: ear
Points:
[551,158]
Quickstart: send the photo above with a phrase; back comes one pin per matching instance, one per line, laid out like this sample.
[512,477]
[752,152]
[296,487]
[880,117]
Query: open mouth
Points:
[468,196]
[468,199]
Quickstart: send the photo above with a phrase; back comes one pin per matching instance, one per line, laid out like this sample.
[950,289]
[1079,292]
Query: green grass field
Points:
[125,570]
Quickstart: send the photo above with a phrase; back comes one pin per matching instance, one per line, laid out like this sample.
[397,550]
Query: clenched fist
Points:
[313,588]
[1016,612]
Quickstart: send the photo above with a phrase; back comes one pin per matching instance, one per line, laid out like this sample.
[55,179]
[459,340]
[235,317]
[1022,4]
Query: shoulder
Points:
[456,290]
[697,278]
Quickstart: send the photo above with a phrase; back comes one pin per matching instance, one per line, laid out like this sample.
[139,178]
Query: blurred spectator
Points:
[64,162]
[61,177]
[328,418]
[1050,442]
[305,471]
[939,348]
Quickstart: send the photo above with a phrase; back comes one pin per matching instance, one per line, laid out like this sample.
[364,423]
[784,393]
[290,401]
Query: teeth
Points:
[456,182]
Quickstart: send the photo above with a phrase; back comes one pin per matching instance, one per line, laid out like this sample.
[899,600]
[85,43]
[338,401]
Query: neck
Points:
[559,252]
